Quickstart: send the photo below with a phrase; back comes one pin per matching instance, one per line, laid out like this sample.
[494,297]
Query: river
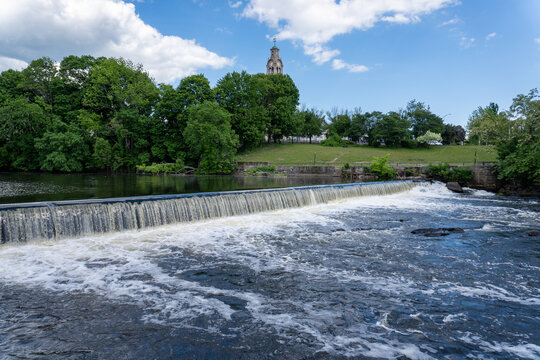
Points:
[341,280]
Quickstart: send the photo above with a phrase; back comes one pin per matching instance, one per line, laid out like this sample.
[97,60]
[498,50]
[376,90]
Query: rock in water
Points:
[434,232]
[533,232]
[454,186]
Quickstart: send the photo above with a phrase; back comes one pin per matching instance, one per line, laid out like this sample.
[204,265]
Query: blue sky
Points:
[377,55]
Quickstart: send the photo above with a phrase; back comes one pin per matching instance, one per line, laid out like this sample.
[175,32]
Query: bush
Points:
[410,172]
[261,169]
[347,166]
[334,141]
[444,172]
[381,169]
[163,168]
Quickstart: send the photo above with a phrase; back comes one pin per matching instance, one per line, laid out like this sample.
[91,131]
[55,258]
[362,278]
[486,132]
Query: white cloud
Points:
[491,36]
[338,64]
[316,22]
[450,22]
[235,4]
[537,40]
[466,42]
[30,29]
[11,63]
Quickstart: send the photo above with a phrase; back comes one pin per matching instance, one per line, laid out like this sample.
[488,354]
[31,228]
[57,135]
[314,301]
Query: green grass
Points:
[302,154]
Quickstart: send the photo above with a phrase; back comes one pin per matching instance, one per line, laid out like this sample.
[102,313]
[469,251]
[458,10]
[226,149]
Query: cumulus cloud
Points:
[491,36]
[11,63]
[30,29]
[314,23]
[338,64]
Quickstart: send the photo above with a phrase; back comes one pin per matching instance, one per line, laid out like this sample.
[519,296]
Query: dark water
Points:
[24,187]
[345,280]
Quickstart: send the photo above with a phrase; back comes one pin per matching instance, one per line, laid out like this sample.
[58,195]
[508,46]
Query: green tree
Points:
[519,158]
[422,119]
[392,129]
[453,134]
[279,97]
[237,93]
[211,141]
[20,123]
[65,151]
[489,125]
[311,123]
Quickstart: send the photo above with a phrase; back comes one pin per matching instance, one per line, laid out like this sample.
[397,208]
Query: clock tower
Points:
[274,64]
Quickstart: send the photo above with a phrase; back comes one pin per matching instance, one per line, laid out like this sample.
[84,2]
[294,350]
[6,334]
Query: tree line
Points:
[88,113]
[94,114]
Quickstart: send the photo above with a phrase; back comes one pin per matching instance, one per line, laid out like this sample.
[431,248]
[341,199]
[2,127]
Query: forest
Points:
[107,114]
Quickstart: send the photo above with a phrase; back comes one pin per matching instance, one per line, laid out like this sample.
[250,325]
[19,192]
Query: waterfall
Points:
[27,222]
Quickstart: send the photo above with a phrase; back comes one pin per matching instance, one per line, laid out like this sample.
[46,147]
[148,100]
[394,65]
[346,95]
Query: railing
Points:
[366,163]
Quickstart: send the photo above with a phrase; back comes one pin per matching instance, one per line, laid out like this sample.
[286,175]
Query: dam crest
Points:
[29,222]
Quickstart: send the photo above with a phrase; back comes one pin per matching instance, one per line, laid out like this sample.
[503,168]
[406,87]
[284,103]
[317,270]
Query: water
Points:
[25,187]
[339,280]
[29,222]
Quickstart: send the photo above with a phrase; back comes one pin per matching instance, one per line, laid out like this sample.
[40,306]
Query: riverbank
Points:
[484,176]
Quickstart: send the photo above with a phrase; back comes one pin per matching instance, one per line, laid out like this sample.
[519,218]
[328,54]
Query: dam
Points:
[316,272]
[21,223]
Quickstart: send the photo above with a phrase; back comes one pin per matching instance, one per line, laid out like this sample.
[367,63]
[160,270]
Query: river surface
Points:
[342,280]
[28,187]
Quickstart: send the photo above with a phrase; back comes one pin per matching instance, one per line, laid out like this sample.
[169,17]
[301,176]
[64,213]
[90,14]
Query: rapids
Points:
[342,279]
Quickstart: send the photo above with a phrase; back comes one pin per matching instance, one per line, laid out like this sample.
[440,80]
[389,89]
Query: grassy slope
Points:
[302,154]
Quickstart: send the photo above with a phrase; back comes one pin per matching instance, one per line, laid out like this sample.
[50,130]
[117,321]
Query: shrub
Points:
[163,168]
[410,172]
[381,169]
[444,172]
[347,166]
[261,169]
[334,141]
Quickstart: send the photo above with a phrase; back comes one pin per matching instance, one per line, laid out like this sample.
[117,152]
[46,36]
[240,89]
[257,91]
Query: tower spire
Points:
[274,65]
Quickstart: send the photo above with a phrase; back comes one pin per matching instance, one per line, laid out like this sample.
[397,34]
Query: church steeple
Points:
[274,65]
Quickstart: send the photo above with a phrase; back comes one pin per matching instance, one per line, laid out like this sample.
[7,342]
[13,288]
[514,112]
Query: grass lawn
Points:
[303,154]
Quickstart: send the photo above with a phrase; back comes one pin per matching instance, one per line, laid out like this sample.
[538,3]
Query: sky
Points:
[453,55]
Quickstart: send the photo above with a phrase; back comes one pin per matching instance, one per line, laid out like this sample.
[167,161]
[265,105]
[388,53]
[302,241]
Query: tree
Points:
[340,124]
[392,128]
[428,137]
[519,158]
[488,125]
[279,96]
[453,134]
[211,141]
[65,151]
[311,123]
[422,119]
[20,123]
[237,93]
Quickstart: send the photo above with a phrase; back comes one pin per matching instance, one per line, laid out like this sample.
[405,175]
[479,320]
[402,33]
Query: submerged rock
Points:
[434,232]
[454,186]
[533,232]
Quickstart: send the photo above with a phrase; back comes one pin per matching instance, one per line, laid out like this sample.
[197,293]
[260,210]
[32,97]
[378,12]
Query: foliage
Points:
[519,158]
[333,141]
[162,168]
[381,169]
[428,137]
[261,169]
[488,125]
[392,129]
[310,124]
[453,134]
[211,141]
[422,119]
[445,172]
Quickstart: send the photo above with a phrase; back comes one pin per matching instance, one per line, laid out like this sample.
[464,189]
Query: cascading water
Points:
[345,279]
[66,219]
